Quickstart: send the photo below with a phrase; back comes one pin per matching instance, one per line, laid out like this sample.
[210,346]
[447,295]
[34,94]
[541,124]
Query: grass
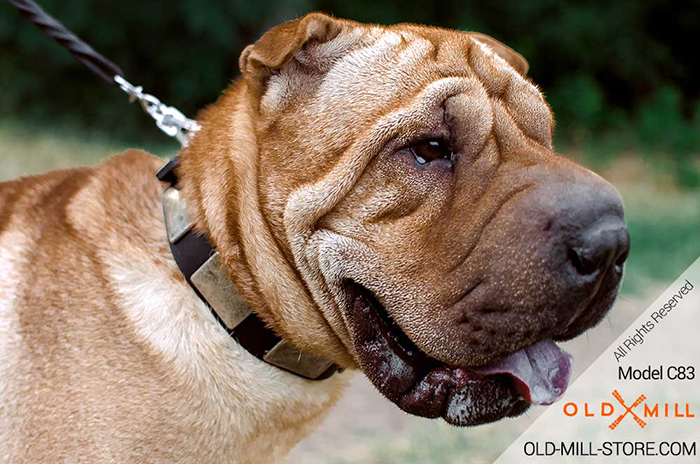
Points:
[664,244]
[25,150]
[663,221]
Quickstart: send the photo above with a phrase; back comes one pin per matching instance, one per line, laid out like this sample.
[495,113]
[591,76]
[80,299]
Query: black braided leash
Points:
[79,49]
[168,119]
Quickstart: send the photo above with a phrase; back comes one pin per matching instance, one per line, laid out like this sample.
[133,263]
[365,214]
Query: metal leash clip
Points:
[168,119]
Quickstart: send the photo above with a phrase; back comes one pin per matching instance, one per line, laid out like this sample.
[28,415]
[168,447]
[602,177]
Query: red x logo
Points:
[639,401]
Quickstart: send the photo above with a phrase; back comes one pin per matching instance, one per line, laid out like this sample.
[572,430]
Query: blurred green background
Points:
[621,77]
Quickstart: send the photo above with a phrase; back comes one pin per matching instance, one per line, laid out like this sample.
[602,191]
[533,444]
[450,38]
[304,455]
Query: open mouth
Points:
[464,396]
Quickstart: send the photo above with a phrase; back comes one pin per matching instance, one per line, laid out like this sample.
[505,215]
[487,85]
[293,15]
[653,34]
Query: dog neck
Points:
[218,176]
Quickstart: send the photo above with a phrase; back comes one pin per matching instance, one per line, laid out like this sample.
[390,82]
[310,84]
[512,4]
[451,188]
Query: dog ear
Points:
[514,58]
[278,46]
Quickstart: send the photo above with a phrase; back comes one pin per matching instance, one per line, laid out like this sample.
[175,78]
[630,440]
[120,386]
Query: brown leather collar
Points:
[199,263]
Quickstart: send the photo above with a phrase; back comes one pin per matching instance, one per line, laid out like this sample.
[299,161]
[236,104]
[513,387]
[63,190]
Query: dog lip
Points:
[417,383]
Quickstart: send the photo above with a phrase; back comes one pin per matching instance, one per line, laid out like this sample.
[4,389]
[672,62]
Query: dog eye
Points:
[430,150]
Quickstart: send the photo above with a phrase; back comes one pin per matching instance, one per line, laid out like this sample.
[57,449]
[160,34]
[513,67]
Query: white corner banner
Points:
[639,401]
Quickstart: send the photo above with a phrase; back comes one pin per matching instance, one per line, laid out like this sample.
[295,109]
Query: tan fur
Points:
[107,355]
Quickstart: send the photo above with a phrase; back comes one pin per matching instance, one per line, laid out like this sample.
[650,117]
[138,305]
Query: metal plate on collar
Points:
[177,222]
[219,292]
[288,357]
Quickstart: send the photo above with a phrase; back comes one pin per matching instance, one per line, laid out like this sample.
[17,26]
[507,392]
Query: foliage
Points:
[619,71]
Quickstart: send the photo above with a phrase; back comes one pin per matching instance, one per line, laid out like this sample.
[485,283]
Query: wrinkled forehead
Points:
[370,70]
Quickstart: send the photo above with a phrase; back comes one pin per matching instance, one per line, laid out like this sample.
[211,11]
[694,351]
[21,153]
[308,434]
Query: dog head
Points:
[407,174]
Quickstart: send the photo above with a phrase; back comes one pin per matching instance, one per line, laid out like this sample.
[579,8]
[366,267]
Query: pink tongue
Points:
[541,371]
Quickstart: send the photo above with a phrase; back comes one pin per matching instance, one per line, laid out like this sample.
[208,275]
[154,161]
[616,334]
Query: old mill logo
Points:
[639,410]
[628,410]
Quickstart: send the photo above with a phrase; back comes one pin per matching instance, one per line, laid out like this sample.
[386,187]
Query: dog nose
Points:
[586,238]
[589,234]
[602,246]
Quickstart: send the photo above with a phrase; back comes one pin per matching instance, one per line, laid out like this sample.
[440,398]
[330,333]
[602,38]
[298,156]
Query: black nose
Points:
[600,248]
[584,225]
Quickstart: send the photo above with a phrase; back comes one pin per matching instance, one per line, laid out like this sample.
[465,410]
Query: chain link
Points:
[168,119]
